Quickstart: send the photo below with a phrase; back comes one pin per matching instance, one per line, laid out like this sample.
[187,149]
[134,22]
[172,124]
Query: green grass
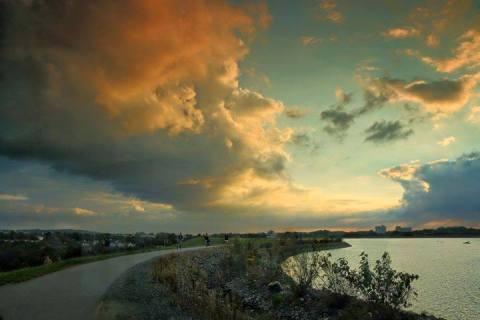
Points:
[28,273]
[199,241]
[25,274]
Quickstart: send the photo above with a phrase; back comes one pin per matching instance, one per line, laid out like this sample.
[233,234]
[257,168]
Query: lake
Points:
[449,284]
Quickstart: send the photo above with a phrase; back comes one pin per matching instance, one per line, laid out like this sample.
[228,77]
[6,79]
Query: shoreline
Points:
[170,295]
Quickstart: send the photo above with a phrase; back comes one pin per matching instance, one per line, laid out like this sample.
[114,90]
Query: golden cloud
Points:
[401,33]
[441,96]
[143,70]
[467,54]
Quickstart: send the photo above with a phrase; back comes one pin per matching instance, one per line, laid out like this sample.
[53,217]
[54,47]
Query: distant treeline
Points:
[29,248]
[439,232]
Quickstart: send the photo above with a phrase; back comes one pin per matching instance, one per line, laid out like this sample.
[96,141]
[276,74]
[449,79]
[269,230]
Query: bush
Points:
[382,285]
[304,269]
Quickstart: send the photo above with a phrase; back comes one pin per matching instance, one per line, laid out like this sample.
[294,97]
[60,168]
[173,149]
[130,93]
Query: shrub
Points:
[337,276]
[304,269]
[382,285]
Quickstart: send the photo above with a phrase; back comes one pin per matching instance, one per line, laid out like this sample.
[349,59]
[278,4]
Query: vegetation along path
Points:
[68,294]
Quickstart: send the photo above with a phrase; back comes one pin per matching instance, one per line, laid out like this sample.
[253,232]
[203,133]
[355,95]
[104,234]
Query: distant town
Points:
[27,248]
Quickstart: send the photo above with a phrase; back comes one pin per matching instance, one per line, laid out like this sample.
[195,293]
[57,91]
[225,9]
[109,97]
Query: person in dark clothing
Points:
[207,239]
[225,238]
[179,241]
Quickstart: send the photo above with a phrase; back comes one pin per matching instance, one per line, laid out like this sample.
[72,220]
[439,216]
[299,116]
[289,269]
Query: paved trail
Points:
[69,294]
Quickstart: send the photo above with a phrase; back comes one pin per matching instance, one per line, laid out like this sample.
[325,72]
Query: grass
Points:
[28,273]
[25,274]
[199,241]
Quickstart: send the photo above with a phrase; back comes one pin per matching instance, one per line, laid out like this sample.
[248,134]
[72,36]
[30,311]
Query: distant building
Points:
[380,229]
[271,234]
[403,229]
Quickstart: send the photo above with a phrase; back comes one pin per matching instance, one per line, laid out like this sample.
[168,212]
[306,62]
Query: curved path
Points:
[69,294]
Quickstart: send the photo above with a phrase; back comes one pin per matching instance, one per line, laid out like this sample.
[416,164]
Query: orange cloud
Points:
[442,96]
[327,10]
[467,54]
[148,85]
[143,70]
[431,40]
[83,212]
[309,40]
[447,141]
[439,18]
[401,33]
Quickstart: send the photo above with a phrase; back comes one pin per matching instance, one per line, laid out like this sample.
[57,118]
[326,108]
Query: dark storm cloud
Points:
[439,190]
[339,121]
[116,102]
[386,131]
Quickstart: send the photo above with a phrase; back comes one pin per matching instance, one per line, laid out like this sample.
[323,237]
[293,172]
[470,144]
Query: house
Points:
[403,229]
[271,234]
[380,229]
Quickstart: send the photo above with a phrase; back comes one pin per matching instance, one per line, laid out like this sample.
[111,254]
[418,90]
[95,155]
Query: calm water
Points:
[449,284]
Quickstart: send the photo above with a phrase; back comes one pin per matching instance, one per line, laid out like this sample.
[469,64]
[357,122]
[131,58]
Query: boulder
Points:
[275,287]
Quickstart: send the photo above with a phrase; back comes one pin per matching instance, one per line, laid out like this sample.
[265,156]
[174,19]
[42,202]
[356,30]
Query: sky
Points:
[239,116]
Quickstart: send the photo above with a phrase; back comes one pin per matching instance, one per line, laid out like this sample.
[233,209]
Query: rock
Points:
[275,287]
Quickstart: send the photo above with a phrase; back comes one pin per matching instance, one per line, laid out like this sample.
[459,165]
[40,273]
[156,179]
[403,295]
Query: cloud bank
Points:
[439,191]
[151,105]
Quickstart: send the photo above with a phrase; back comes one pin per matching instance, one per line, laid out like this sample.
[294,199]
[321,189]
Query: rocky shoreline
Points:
[137,295]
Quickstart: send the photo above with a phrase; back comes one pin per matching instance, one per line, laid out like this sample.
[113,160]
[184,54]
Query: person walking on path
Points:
[179,241]
[207,239]
[225,238]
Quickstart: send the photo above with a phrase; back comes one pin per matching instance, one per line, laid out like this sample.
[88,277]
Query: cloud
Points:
[310,40]
[440,96]
[474,115]
[466,55]
[257,76]
[432,41]
[12,197]
[447,141]
[83,212]
[375,96]
[301,139]
[401,33]
[441,190]
[143,104]
[442,19]
[294,113]
[386,131]
[343,97]
[328,10]
[339,121]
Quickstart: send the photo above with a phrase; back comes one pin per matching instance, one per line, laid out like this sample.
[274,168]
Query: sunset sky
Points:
[194,116]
